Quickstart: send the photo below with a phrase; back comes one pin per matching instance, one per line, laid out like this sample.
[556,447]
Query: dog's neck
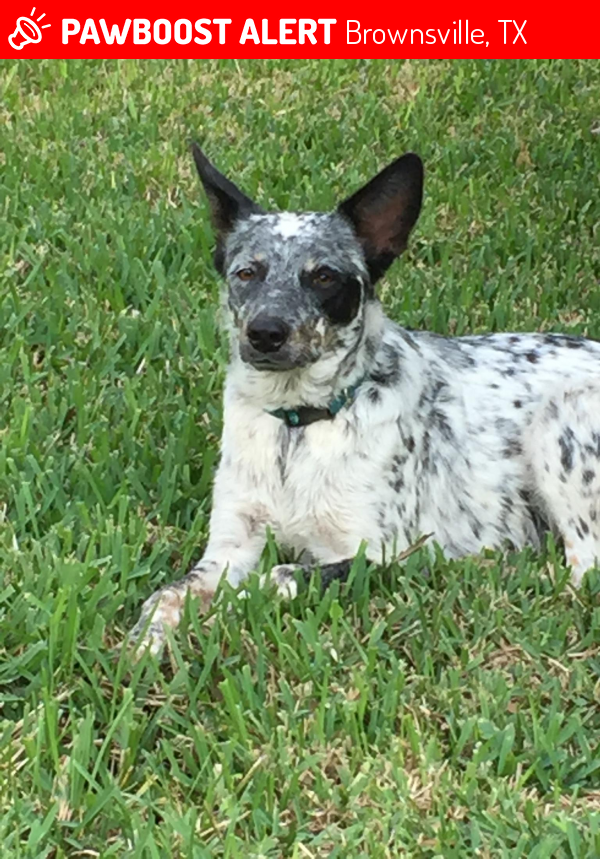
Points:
[316,385]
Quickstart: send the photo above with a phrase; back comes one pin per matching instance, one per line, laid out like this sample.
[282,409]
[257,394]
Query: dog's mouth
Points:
[274,362]
[275,366]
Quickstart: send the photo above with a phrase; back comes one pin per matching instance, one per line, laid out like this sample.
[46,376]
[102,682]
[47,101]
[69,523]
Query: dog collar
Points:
[301,416]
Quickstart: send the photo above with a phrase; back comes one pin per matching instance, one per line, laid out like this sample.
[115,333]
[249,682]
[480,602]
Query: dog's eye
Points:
[245,274]
[323,277]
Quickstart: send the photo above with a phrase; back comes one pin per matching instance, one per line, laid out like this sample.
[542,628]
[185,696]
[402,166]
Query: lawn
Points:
[452,714]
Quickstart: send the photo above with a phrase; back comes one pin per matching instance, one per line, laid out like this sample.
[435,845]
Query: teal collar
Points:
[301,416]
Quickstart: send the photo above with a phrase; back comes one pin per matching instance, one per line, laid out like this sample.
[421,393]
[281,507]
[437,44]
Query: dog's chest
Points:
[323,485]
[327,479]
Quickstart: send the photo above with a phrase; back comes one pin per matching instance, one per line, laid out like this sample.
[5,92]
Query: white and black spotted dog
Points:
[341,428]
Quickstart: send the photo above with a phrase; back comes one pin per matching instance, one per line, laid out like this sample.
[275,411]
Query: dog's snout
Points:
[267,334]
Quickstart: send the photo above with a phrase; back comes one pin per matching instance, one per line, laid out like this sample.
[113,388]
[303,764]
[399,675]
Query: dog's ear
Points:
[227,203]
[385,210]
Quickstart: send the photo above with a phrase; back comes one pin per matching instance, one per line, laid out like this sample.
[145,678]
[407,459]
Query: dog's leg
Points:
[563,448]
[237,536]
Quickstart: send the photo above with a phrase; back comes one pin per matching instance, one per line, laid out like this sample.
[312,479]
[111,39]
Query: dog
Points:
[343,429]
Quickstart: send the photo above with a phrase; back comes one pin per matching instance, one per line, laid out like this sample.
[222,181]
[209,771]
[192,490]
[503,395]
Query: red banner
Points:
[92,29]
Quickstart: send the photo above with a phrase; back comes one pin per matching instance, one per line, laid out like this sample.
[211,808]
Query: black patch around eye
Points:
[341,300]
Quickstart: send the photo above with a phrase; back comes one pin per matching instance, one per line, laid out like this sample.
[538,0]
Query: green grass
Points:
[455,715]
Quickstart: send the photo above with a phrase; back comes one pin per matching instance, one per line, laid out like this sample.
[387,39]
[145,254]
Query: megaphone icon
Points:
[26,32]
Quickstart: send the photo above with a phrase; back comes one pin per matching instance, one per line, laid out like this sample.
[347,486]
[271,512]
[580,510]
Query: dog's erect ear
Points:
[385,210]
[227,203]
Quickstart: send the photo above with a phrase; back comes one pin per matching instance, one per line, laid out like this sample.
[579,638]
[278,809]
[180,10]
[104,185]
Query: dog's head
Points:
[298,284]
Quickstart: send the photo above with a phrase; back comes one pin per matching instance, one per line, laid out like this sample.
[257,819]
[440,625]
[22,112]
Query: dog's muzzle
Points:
[270,343]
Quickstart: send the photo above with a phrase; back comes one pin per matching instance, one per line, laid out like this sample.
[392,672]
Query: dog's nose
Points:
[267,334]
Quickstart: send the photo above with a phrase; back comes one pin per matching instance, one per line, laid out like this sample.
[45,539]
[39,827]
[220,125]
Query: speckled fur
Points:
[480,442]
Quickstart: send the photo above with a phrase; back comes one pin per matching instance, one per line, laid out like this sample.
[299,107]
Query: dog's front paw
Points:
[144,637]
[283,576]
[161,610]
[165,607]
